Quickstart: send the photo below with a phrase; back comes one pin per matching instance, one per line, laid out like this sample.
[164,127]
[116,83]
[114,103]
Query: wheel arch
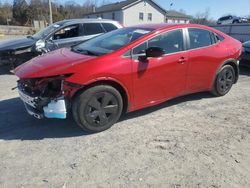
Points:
[117,85]
[234,64]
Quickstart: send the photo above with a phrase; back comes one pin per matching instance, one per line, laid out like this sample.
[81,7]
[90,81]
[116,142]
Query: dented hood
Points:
[54,63]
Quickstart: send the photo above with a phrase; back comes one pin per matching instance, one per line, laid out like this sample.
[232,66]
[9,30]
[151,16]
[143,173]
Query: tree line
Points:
[23,12]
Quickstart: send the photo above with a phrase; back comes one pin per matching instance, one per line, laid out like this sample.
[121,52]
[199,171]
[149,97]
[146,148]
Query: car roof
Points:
[163,26]
[84,20]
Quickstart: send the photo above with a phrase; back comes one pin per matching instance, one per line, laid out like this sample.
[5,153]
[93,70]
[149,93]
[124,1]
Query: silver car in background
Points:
[231,20]
[61,34]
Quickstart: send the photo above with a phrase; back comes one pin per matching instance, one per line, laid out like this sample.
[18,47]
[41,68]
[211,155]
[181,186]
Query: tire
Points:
[97,108]
[224,81]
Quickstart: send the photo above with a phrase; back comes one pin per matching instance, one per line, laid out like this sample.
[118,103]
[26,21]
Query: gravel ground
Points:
[193,141]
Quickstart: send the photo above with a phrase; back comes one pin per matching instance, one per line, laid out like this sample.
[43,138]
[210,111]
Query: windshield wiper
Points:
[83,51]
[30,37]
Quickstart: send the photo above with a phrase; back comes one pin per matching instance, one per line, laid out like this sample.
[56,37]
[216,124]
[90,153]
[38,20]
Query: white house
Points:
[177,17]
[133,12]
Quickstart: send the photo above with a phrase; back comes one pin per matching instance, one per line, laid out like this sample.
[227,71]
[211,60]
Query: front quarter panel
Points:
[112,68]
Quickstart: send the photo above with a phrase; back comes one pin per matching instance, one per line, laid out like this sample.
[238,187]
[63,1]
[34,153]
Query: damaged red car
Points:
[126,70]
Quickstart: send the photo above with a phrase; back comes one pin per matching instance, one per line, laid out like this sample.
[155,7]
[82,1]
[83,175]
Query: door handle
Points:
[182,60]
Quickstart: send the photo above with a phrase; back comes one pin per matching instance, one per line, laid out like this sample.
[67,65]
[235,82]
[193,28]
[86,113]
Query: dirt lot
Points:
[194,141]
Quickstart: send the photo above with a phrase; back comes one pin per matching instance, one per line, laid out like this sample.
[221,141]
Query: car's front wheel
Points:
[97,108]
[224,81]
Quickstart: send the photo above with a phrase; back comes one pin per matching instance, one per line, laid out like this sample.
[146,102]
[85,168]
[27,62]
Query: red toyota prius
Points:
[126,70]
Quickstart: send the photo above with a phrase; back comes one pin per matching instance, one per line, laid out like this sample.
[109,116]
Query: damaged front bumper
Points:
[53,108]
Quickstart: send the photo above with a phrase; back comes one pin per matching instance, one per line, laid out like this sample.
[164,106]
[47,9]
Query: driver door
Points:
[158,79]
[67,36]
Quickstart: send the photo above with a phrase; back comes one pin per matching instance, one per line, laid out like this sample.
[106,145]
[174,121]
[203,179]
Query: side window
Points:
[217,38]
[92,28]
[199,38]
[109,27]
[67,32]
[140,49]
[170,42]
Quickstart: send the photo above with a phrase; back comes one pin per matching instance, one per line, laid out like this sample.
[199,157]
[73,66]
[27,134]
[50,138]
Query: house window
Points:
[141,16]
[149,16]
[113,16]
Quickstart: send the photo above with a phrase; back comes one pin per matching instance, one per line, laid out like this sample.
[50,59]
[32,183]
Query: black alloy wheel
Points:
[97,108]
[224,80]
[101,108]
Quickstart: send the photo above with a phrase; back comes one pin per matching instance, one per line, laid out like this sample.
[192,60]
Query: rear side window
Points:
[109,27]
[199,38]
[92,28]
[218,38]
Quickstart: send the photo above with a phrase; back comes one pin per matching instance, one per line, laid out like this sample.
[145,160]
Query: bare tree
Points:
[38,10]
[5,13]
[202,18]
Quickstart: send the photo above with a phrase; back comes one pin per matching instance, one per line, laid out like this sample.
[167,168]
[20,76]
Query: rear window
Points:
[92,28]
[109,27]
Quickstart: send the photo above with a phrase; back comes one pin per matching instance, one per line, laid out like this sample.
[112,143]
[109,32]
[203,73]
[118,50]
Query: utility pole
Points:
[50,13]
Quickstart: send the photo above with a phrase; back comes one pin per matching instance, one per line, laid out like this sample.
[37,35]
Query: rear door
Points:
[91,30]
[204,57]
[109,26]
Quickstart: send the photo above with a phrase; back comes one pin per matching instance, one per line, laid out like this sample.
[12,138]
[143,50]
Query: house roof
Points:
[121,5]
[176,14]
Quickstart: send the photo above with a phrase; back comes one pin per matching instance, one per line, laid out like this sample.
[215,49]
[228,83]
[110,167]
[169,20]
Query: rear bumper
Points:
[56,108]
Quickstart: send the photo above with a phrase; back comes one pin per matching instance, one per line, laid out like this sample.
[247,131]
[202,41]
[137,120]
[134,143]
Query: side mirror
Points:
[154,52]
[40,44]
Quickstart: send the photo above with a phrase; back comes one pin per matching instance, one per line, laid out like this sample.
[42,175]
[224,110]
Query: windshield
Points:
[111,41]
[46,31]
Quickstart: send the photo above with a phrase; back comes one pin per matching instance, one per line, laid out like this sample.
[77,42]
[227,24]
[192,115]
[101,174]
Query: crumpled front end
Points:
[45,97]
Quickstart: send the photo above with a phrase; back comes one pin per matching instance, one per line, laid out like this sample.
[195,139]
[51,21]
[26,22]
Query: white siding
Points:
[118,16]
[181,21]
[131,14]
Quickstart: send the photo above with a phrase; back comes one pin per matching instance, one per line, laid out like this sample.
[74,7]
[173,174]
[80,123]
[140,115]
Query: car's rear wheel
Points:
[97,108]
[224,81]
